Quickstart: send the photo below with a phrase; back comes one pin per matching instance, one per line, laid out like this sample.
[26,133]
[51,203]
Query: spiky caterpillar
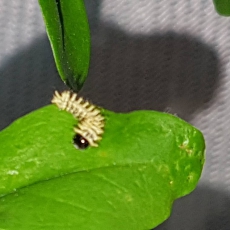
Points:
[91,122]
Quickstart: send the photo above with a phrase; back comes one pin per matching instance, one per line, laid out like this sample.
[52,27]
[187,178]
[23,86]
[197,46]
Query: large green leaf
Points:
[145,160]
[222,7]
[68,32]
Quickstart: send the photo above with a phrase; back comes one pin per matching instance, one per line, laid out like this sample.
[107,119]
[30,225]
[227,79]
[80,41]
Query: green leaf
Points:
[68,32]
[145,160]
[222,7]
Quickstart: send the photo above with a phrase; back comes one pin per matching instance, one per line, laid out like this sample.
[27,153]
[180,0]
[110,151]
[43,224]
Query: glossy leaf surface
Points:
[145,160]
[68,32]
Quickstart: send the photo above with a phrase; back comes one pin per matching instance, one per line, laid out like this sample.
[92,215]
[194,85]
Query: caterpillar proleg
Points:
[91,122]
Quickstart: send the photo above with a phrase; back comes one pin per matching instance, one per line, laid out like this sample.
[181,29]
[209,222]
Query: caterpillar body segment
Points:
[91,122]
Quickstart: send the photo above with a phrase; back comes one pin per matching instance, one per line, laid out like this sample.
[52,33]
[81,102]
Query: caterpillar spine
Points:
[91,122]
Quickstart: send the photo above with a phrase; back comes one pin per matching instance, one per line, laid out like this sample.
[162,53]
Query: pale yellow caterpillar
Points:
[91,122]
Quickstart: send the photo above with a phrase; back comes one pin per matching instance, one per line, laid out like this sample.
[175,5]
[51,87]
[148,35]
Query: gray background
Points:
[146,54]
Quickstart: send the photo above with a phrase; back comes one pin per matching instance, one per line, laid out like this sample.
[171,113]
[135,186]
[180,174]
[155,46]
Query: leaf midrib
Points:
[84,171]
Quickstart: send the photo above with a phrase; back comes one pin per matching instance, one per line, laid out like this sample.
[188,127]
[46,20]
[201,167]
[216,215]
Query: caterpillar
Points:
[91,123]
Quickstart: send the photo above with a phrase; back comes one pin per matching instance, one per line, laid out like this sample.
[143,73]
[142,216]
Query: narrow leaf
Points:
[222,7]
[68,32]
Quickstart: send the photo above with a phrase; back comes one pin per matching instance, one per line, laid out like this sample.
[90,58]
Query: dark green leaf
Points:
[145,160]
[68,32]
[222,7]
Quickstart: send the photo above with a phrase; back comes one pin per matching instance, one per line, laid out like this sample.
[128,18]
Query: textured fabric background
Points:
[146,54]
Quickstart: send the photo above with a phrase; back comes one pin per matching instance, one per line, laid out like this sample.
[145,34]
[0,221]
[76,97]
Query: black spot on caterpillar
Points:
[80,142]
[91,122]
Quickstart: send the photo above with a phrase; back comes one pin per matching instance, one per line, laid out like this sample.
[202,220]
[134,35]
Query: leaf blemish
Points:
[129,198]
[12,172]
[184,146]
